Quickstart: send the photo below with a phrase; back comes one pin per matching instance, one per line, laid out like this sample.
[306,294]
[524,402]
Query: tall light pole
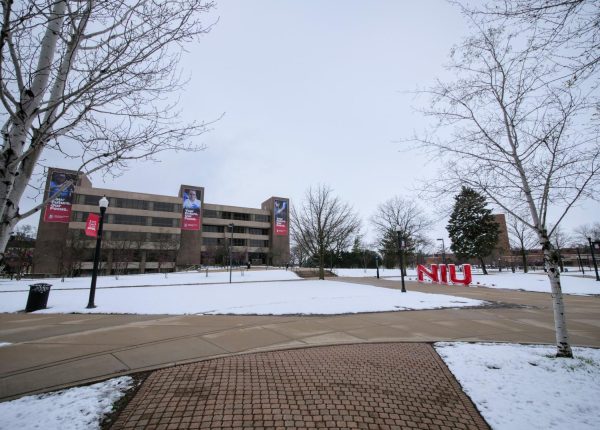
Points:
[401,244]
[377,264]
[443,252]
[103,203]
[592,244]
[230,248]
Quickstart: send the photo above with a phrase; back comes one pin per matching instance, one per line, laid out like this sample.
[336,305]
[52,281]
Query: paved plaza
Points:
[368,386]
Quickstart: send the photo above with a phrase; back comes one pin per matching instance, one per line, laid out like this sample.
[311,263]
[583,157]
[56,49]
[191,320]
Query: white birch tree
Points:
[89,81]
[514,127]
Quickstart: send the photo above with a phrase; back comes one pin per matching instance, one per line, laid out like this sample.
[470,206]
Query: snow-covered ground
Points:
[572,282]
[537,282]
[193,277]
[524,387]
[73,409]
[260,298]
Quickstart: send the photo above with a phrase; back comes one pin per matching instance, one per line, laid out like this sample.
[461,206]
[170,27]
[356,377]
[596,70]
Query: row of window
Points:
[236,229]
[130,236]
[168,222]
[118,202]
[236,216]
[79,216]
[219,241]
[146,205]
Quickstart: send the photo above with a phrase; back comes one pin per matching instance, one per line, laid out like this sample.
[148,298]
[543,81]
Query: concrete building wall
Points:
[144,232]
[280,243]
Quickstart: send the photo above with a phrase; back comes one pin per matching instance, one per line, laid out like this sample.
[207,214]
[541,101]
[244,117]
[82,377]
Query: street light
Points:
[377,264]
[592,244]
[230,247]
[401,244]
[103,203]
[443,252]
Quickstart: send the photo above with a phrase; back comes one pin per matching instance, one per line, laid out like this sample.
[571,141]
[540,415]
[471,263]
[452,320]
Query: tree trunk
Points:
[560,321]
[483,266]
[524,257]
[321,264]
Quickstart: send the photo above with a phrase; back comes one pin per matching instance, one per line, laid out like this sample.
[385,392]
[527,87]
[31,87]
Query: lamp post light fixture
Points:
[592,244]
[230,248]
[443,252]
[401,245]
[103,203]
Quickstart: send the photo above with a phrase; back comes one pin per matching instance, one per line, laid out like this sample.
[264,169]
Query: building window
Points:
[225,215]
[213,228]
[163,237]
[237,229]
[262,218]
[212,241]
[128,203]
[166,207]
[239,242]
[241,217]
[163,222]
[79,216]
[209,213]
[258,243]
[132,236]
[128,219]
[90,200]
[258,231]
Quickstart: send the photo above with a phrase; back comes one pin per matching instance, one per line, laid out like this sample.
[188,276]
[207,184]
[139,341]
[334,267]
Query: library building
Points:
[145,233]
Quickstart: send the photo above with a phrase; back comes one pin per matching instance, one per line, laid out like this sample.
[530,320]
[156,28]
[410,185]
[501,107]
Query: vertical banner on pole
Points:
[190,217]
[59,208]
[91,225]
[281,218]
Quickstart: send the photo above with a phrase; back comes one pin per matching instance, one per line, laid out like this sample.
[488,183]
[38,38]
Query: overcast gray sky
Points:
[314,92]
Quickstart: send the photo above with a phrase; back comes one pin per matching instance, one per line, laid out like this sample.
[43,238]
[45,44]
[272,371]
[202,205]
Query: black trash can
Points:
[38,297]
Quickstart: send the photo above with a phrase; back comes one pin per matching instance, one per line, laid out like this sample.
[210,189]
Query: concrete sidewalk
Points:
[53,351]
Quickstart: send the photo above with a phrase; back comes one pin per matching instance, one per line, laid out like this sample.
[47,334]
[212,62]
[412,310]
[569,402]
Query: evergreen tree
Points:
[472,228]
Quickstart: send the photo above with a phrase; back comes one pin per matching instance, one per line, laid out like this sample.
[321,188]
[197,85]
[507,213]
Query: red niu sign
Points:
[439,274]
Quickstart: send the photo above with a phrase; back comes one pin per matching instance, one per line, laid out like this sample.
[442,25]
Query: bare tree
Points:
[405,214]
[567,28]
[518,133]
[585,231]
[323,223]
[522,238]
[89,81]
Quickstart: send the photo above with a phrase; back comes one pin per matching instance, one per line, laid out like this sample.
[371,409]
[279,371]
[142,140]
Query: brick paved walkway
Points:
[370,386]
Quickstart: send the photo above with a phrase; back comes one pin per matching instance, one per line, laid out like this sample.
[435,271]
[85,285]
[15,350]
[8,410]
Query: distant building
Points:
[150,233]
[503,246]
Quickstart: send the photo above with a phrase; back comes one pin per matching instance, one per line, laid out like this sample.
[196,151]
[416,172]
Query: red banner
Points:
[190,218]
[91,225]
[281,218]
[59,209]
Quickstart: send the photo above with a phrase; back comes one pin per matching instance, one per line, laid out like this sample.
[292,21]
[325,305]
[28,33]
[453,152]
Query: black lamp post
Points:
[592,244]
[401,244]
[377,264]
[103,203]
[443,252]
[580,261]
[230,248]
